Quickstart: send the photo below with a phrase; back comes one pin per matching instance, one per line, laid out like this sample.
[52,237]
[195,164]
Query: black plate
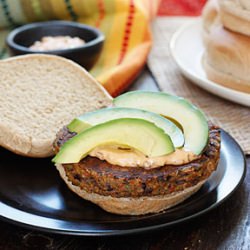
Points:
[33,195]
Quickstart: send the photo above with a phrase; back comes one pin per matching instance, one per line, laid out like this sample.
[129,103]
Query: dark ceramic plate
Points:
[33,195]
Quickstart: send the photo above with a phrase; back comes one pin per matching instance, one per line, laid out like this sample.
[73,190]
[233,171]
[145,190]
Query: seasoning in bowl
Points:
[48,43]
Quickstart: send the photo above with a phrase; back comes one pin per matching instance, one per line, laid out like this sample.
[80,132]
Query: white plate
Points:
[187,50]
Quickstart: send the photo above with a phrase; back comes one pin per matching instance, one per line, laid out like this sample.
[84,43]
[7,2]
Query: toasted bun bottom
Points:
[132,206]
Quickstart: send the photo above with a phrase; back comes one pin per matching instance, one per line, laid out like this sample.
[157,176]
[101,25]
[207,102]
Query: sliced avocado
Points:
[132,132]
[77,125]
[103,115]
[192,120]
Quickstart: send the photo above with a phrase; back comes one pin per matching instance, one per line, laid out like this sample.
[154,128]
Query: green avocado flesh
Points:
[132,132]
[192,120]
[87,120]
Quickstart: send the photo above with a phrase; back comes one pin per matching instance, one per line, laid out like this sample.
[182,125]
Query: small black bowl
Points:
[20,39]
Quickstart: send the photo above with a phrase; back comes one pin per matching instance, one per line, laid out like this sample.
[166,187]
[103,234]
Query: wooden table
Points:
[226,227]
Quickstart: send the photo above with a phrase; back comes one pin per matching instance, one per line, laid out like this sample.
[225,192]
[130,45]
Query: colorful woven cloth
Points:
[125,24]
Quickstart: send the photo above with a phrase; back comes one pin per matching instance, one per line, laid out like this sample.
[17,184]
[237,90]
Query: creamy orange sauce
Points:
[126,157]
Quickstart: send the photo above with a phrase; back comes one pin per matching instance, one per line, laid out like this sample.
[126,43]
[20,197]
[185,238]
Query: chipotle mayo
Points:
[127,157]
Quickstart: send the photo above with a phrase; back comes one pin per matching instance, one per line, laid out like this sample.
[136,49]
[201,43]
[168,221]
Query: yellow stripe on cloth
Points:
[60,9]
[125,24]
[113,42]
[105,17]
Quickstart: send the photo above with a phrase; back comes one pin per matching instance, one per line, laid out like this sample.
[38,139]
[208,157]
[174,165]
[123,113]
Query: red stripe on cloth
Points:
[181,7]
[101,9]
[127,32]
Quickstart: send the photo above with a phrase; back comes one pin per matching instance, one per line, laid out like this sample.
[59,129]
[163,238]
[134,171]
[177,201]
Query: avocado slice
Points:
[78,125]
[192,120]
[103,115]
[132,132]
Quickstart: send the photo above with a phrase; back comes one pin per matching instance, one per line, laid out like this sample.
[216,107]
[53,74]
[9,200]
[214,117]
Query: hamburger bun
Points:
[131,205]
[235,15]
[226,58]
[38,95]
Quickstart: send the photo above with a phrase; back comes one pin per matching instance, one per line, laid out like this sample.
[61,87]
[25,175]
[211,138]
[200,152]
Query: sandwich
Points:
[139,153]
[146,153]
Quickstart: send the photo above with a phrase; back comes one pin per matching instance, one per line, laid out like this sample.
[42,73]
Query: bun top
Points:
[238,8]
[210,15]
[227,56]
[39,94]
[235,15]
[245,4]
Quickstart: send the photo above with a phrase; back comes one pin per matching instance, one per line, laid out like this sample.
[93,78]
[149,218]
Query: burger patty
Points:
[98,176]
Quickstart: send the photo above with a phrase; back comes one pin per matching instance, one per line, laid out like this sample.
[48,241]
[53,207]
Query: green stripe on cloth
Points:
[3,21]
[37,9]
[71,11]
[3,53]
[7,14]
[3,49]
[16,10]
